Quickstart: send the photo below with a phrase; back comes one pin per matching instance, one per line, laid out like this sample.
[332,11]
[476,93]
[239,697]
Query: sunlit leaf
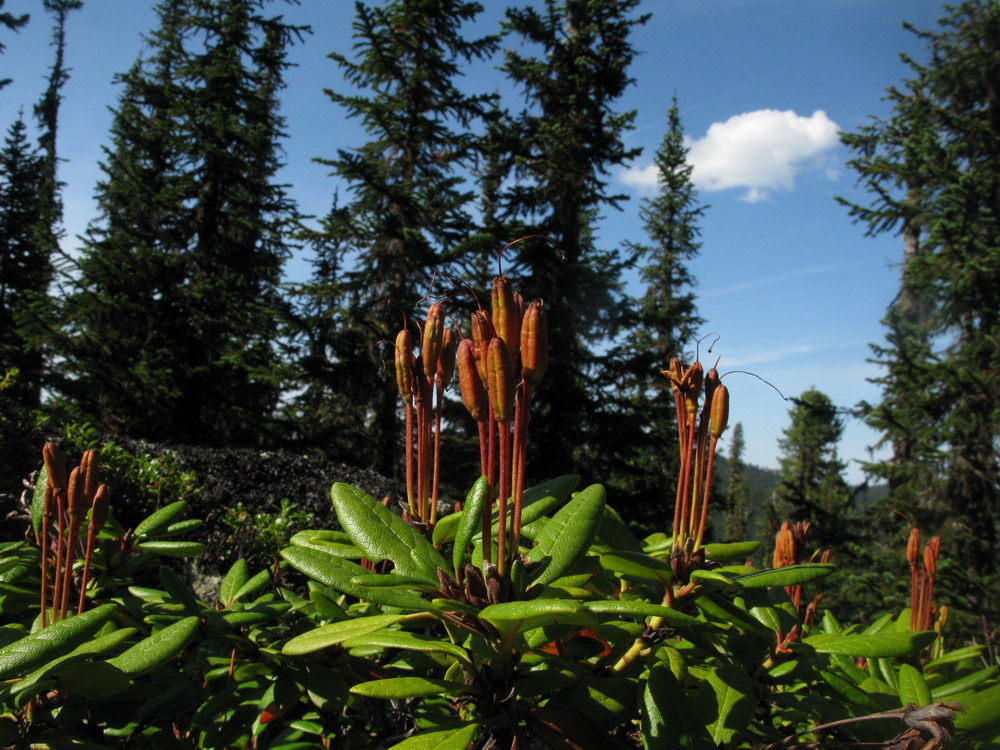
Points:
[568,534]
[408,687]
[338,632]
[874,646]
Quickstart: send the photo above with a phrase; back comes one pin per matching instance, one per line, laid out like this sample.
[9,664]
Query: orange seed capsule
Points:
[500,381]
[469,382]
[482,333]
[404,364]
[75,495]
[430,347]
[506,315]
[446,362]
[534,343]
[99,509]
[913,547]
[55,466]
[720,411]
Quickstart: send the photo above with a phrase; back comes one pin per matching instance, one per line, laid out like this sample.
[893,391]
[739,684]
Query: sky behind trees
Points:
[793,288]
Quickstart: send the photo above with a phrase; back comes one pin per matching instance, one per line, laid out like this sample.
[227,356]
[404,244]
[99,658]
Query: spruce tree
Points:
[931,169]
[812,486]
[568,138]
[12,23]
[737,522]
[662,325]
[173,317]
[407,217]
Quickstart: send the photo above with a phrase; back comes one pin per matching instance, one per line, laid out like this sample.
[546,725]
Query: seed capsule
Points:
[431,342]
[88,465]
[75,495]
[404,364]
[483,333]
[446,362]
[506,315]
[534,344]
[469,382]
[100,507]
[500,381]
[55,466]
[720,411]
[931,552]
[913,547]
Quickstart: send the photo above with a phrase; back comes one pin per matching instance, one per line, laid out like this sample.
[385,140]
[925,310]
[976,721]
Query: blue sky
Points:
[792,287]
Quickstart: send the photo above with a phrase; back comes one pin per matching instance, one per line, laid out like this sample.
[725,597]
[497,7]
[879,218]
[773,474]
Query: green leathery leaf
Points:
[453,738]
[614,532]
[38,500]
[669,721]
[335,543]
[568,534]
[527,615]
[338,572]
[408,641]
[444,529]
[875,646]
[160,520]
[711,576]
[408,687]
[393,581]
[381,534]
[850,692]
[636,565]
[471,521]
[966,682]
[959,654]
[84,651]
[790,575]
[734,702]
[33,650]
[982,711]
[912,688]
[182,527]
[537,501]
[338,632]
[642,610]
[93,679]
[236,576]
[157,649]
[172,549]
[25,561]
[255,584]
[730,552]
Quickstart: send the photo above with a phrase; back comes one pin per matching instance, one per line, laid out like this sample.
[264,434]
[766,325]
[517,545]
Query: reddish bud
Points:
[506,315]
[100,508]
[469,382]
[931,552]
[88,464]
[913,547]
[75,495]
[482,334]
[500,380]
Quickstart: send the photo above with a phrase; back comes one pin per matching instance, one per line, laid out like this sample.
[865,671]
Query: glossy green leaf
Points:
[393,581]
[703,575]
[982,711]
[182,527]
[669,721]
[636,565]
[159,521]
[38,500]
[471,521]
[959,654]
[615,533]
[339,572]
[874,646]
[408,687]
[966,682]
[408,641]
[537,501]
[335,543]
[380,534]
[850,692]
[731,552]
[912,687]
[444,529]
[255,584]
[642,610]
[338,632]
[454,738]
[40,677]
[734,703]
[157,649]
[791,575]
[568,534]
[236,576]
[172,549]
[93,679]
[36,649]
[536,613]
[20,564]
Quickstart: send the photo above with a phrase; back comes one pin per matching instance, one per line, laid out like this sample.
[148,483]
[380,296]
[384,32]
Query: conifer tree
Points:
[12,23]
[812,486]
[737,523]
[568,138]
[931,169]
[172,320]
[408,213]
[662,325]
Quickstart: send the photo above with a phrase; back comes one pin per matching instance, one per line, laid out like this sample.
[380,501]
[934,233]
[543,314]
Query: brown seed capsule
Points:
[404,364]
[469,382]
[75,495]
[88,464]
[99,509]
[506,315]
[482,334]
[500,380]
[54,466]
[446,362]
[534,344]
[931,552]
[720,411]
[430,347]
[913,547]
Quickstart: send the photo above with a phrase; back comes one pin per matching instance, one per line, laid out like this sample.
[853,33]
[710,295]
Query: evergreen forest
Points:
[617,577]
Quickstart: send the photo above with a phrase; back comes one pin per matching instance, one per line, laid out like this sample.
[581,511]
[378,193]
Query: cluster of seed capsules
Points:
[499,366]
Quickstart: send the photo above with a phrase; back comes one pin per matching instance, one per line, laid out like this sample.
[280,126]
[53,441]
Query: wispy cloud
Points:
[760,151]
[744,286]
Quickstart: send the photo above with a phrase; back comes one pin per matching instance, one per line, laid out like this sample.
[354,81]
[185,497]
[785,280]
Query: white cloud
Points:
[759,151]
